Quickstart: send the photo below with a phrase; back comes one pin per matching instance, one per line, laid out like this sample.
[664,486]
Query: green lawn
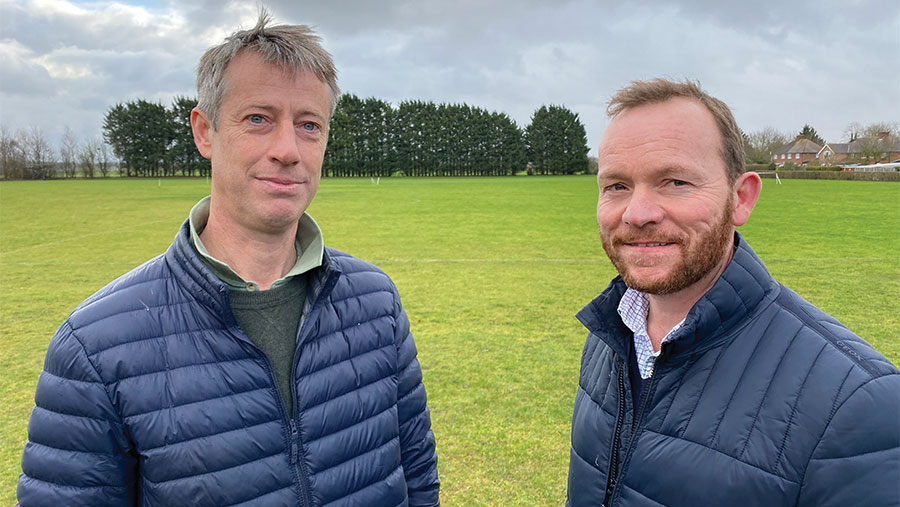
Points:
[491,272]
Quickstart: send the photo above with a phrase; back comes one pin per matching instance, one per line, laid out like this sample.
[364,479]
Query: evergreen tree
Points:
[811,134]
[556,141]
[183,154]
[140,133]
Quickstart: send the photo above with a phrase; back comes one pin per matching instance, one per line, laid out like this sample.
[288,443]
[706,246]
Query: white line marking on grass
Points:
[76,238]
[495,261]
[827,259]
[604,259]
[72,263]
[458,261]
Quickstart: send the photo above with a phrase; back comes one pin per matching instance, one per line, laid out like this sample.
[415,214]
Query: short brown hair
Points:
[640,93]
[292,47]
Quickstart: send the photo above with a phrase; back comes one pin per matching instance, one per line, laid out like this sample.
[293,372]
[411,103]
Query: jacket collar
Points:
[196,277]
[743,289]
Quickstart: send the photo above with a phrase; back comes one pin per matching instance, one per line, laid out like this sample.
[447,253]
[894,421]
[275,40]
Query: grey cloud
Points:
[776,63]
[21,76]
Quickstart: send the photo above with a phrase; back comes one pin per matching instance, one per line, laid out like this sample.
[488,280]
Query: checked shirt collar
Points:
[633,309]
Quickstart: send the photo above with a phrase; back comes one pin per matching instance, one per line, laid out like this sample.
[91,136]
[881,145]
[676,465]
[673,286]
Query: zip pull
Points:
[294,453]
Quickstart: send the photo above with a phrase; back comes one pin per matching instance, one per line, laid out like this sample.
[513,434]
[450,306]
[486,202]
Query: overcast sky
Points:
[780,64]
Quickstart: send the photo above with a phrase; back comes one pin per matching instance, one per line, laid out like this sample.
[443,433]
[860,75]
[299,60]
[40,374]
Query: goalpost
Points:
[777,179]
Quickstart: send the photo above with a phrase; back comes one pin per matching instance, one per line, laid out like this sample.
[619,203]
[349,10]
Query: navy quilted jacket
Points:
[760,400]
[152,395]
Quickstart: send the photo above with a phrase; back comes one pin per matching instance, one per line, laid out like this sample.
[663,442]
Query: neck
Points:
[254,255]
[666,310]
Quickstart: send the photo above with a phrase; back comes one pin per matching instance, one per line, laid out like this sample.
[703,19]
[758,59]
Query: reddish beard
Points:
[699,256]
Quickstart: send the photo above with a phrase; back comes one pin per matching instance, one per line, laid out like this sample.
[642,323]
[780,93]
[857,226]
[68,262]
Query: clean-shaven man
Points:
[247,365]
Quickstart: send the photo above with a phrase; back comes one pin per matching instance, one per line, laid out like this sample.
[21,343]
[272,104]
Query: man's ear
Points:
[746,192]
[203,132]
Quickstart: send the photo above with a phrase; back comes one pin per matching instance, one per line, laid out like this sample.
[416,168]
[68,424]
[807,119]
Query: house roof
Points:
[887,144]
[801,145]
[838,148]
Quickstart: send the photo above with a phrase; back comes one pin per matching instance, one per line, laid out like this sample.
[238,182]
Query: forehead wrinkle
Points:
[661,172]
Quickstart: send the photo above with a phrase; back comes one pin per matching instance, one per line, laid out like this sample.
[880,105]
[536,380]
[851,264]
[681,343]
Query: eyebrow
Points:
[272,109]
[663,172]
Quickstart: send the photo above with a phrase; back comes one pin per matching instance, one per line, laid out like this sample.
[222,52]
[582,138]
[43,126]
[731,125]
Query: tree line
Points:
[367,137]
[28,155]
[152,140]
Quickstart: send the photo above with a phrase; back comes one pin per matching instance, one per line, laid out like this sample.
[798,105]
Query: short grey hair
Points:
[294,48]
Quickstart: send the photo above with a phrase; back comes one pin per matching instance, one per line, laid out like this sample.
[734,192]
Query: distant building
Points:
[800,151]
[881,148]
[866,150]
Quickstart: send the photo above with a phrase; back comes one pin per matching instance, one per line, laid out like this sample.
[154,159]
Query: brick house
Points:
[798,152]
[867,150]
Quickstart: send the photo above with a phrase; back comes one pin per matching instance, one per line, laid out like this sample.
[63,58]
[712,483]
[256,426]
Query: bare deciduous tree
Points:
[38,155]
[68,153]
[853,132]
[104,158]
[880,128]
[12,154]
[88,157]
[761,144]
[873,142]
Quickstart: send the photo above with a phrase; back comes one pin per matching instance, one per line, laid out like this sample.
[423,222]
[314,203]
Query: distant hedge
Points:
[835,168]
[831,175]
[759,167]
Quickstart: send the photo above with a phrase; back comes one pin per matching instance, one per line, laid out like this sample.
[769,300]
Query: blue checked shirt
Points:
[633,309]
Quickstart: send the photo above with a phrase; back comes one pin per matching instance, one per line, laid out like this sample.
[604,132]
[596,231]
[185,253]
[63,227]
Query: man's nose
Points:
[643,209]
[284,144]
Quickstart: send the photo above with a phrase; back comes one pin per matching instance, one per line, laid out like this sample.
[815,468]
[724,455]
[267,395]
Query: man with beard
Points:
[703,380]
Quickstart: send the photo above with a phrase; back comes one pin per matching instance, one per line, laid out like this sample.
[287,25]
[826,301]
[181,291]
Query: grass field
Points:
[491,272]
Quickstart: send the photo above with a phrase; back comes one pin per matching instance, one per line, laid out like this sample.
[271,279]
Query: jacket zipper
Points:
[612,474]
[294,436]
[297,465]
[296,462]
[645,399]
[296,459]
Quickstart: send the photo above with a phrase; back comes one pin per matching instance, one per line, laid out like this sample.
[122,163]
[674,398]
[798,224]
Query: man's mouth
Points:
[646,243]
[280,183]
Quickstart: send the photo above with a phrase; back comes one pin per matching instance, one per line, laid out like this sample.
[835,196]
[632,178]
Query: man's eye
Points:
[309,126]
[615,187]
[256,118]
[678,183]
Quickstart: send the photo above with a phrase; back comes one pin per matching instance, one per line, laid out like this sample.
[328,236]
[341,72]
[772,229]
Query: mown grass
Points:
[491,272]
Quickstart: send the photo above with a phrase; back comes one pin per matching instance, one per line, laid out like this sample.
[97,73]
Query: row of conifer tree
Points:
[370,137]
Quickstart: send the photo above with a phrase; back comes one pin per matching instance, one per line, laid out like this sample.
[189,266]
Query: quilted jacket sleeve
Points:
[76,453]
[416,439]
[857,462]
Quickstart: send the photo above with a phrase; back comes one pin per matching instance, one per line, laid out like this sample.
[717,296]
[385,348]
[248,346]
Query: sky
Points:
[828,63]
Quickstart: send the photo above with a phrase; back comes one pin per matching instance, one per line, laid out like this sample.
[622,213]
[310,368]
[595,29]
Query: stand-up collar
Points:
[744,288]
[196,276]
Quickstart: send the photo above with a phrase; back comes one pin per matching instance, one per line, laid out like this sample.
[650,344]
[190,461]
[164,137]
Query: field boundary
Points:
[433,260]
[834,175]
